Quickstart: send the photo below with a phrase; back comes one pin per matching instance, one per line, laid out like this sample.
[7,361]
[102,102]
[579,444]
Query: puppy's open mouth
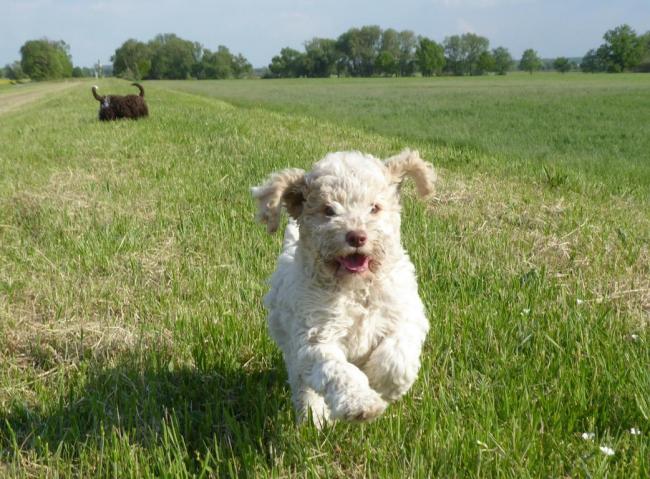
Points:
[354,263]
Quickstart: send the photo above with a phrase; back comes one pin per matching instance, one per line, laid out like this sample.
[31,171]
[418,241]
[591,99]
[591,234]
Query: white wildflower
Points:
[635,432]
[608,451]
[525,312]
[588,436]
[579,301]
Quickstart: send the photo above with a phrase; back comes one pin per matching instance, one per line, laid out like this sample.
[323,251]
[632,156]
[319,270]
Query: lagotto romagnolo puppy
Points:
[344,305]
[115,107]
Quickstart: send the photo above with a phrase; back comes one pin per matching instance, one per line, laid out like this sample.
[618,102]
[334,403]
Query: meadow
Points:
[575,124]
[132,333]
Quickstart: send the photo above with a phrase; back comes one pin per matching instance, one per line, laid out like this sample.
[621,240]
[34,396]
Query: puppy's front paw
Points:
[368,411]
[361,407]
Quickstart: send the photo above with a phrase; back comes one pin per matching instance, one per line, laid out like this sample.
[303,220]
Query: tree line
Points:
[166,56]
[359,52]
[371,51]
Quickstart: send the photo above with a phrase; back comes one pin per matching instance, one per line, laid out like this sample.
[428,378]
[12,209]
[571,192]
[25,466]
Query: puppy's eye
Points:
[375,209]
[329,211]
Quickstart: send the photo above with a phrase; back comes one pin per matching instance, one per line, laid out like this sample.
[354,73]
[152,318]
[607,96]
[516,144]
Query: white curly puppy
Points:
[344,305]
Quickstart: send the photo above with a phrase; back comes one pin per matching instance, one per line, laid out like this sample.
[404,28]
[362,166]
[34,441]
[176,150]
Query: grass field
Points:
[132,335]
[575,124]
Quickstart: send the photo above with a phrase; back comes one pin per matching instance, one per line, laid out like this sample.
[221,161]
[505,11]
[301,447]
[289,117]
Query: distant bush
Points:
[46,59]
[562,64]
[530,61]
[503,61]
[83,72]
[14,71]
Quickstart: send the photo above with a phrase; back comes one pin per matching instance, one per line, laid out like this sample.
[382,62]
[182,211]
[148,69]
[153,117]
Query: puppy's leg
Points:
[393,366]
[314,405]
[306,401]
[344,387]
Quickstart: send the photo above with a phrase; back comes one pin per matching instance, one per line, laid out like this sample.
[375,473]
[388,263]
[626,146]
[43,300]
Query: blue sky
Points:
[259,29]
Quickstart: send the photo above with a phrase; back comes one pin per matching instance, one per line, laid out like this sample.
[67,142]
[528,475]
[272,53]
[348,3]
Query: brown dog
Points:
[114,107]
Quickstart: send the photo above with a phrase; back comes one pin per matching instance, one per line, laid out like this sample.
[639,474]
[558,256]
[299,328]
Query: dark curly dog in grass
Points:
[114,107]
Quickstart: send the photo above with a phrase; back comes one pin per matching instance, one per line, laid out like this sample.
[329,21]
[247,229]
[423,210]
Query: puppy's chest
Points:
[364,325]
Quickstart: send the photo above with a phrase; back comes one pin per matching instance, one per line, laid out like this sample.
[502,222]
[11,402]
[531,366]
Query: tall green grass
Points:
[132,335]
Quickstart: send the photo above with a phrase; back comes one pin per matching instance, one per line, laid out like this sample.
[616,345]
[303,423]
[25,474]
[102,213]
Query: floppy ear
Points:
[408,163]
[284,187]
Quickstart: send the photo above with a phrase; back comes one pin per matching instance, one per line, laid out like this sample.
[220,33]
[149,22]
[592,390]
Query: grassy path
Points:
[23,95]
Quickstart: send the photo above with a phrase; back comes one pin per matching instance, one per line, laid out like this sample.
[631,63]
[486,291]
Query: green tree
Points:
[454,54]
[387,59]
[622,49]
[359,48]
[347,64]
[386,64]
[46,59]
[241,67]
[464,52]
[408,43]
[530,61]
[389,42]
[592,62]
[321,57]
[223,63]
[486,63]
[644,64]
[562,64]
[172,57]
[476,47]
[289,64]
[132,60]
[215,65]
[502,60]
[430,57]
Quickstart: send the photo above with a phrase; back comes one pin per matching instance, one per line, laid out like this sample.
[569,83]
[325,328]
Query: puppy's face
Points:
[350,214]
[347,208]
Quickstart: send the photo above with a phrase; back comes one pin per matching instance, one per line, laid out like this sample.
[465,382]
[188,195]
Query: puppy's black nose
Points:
[356,238]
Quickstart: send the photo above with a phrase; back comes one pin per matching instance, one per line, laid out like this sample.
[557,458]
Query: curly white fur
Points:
[344,305]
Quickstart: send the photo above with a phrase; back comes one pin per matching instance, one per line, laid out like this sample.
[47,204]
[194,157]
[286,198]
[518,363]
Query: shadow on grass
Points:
[224,412]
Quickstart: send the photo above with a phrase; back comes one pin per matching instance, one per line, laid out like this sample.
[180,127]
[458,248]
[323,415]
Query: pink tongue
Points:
[355,262]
